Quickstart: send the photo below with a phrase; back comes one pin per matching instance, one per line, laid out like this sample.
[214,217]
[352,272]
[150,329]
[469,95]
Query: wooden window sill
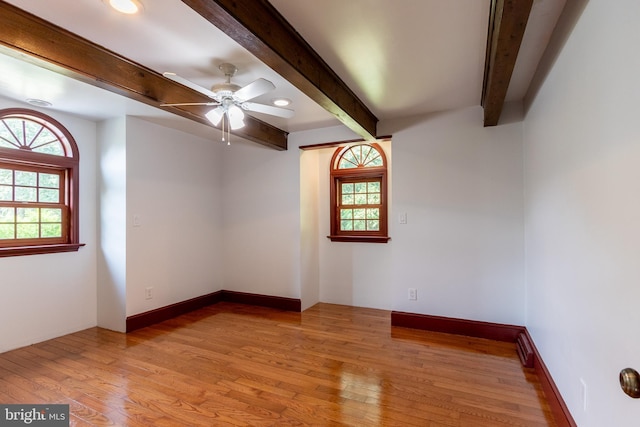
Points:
[39,249]
[360,239]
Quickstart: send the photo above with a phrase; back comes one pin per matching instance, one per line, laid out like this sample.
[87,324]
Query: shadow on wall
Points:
[564,27]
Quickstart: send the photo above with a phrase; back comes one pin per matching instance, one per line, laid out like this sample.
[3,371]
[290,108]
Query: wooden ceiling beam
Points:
[507,23]
[258,27]
[27,37]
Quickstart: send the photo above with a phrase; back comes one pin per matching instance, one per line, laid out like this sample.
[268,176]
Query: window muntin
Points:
[358,194]
[359,205]
[38,185]
[360,156]
[24,132]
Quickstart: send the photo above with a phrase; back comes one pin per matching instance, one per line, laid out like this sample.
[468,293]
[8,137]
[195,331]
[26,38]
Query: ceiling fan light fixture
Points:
[236,117]
[215,115]
[129,7]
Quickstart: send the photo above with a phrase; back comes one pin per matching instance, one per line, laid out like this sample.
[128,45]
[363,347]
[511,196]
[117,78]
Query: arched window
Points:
[359,194]
[39,163]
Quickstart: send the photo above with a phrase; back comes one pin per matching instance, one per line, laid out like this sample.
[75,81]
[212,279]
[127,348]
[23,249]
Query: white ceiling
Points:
[401,57]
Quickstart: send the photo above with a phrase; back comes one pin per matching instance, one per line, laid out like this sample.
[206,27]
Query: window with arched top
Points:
[359,194]
[39,164]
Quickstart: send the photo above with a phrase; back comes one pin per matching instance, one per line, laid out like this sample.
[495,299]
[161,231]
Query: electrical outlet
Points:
[148,293]
[413,294]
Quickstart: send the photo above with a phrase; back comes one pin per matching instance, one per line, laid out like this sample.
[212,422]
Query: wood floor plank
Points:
[239,365]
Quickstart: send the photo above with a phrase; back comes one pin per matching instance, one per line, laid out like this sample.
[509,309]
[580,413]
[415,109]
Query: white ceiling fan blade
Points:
[268,109]
[179,104]
[176,78]
[254,89]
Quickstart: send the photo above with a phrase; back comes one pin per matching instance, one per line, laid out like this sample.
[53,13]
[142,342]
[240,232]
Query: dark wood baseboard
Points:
[470,328]
[554,398]
[519,335]
[161,314]
[280,303]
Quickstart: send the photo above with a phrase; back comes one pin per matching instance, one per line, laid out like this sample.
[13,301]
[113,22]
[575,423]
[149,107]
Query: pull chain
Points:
[228,130]
[223,127]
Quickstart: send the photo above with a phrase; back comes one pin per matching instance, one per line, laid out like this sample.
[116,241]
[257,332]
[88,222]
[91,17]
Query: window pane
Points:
[361,199]
[27,214]
[7,140]
[27,231]
[51,215]
[51,230]
[6,176]
[371,156]
[29,179]
[48,196]
[7,231]
[349,156]
[31,131]
[49,180]
[373,225]
[7,215]
[26,194]
[347,188]
[361,187]
[357,153]
[346,225]
[366,152]
[347,199]
[6,192]
[373,187]
[45,142]
[373,199]
[346,213]
[14,135]
[348,161]
[359,225]
[373,213]
[344,164]
[359,213]
[377,161]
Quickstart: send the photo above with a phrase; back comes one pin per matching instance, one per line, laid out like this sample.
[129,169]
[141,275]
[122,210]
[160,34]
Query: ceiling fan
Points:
[231,100]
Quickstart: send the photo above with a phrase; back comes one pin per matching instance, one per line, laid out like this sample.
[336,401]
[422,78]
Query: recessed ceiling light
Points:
[39,102]
[126,6]
[281,102]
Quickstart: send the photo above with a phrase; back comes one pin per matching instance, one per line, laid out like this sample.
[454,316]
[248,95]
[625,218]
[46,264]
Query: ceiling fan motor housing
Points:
[226,89]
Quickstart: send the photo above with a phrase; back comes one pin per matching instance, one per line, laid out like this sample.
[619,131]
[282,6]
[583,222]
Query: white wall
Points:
[460,185]
[171,182]
[582,212]
[261,220]
[174,188]
[309,225]
[45,296]
[112,221]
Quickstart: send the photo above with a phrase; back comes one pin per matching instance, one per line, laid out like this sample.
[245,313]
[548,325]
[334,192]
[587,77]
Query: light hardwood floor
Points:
[233,364]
